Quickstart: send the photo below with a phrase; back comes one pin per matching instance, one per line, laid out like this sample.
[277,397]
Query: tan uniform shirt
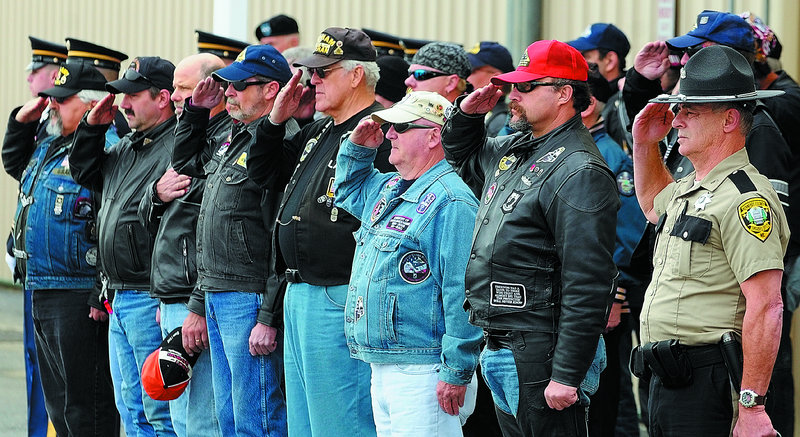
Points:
[713,238]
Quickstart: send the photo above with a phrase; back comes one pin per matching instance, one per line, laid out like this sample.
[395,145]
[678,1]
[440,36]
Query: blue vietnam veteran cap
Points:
[256,60]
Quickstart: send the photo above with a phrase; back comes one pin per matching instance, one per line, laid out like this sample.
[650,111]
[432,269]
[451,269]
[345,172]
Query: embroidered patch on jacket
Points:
[378,209]
[504,294]
[425,203]
[241,161]
[393,181]
[91,256]
[551,156]
[506,162]
[490,193]
[414,267]
[398,223]
[359,310]
[756,217]
[307,149]
[625,183]
[511,201]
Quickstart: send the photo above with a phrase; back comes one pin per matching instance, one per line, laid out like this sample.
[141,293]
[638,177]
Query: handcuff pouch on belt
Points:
[667,359]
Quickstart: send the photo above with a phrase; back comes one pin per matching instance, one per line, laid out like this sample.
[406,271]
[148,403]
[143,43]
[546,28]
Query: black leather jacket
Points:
[232,234]
[172,225]
[543,242]
[122,174]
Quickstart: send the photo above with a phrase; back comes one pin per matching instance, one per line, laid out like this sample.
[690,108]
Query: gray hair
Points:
[371,71]
[88,96]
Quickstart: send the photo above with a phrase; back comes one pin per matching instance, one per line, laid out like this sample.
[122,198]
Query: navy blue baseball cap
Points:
[492,54]
[257,59]
[603,36]
[720,27]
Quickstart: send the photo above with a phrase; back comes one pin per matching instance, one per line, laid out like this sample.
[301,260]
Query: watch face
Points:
[747,398]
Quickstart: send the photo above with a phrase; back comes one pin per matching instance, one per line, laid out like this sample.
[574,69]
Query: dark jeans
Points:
[570,421]
[73,359]
[605,402]
[703,408]
[780,398]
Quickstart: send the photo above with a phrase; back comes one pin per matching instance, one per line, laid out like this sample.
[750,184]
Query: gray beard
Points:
[520,125]
[54,125]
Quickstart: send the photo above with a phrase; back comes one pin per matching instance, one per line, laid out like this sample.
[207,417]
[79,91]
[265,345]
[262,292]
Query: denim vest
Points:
[54,222]
[404,302]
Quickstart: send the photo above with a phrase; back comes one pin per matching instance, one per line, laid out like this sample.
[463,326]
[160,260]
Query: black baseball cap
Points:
[143,73]
[276,26]
[73,78]
[337,44]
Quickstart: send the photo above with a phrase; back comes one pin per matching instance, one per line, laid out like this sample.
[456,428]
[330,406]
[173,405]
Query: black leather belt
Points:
[293,275]
[497,339]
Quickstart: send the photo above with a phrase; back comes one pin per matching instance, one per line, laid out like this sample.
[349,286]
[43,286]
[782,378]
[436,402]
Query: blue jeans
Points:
[135,334]
[327,392]
[37,414]
[190,411]
[73,362]
[405,404]
[247,389]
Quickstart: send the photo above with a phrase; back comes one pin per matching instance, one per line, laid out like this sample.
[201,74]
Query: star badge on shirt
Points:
[702,201]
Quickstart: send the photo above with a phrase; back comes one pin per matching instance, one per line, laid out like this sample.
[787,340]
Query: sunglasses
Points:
[321,72]
[526,87]
[133,75]
[240,85]
[421,74]
[60,100]
[402,127]
[691,51]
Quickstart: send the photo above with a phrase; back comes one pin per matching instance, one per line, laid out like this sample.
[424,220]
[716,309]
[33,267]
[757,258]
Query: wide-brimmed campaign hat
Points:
[716,74]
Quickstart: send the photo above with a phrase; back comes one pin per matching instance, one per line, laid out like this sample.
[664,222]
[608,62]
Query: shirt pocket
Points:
[694,254]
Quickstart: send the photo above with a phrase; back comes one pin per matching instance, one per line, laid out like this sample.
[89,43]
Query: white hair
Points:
[88,96]
[371,71]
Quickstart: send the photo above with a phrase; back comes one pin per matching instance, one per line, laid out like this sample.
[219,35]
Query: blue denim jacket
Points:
[56,227]
[404,302]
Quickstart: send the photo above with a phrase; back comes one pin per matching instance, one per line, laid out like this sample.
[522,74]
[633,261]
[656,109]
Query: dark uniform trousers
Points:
[533,356]
[703,408]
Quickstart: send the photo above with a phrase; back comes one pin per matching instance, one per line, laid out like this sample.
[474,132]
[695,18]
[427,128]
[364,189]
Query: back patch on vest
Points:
[504,294]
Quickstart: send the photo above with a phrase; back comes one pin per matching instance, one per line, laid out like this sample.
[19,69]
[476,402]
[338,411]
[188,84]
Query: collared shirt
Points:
[716,234]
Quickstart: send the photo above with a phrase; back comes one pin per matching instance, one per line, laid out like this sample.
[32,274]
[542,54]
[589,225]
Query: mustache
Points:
[129,112]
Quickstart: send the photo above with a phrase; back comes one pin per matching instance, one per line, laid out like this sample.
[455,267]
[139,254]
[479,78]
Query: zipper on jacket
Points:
[185,261]
[132,247]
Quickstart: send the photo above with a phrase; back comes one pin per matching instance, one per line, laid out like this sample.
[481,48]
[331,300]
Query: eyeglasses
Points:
[133,75]
[691,51]
[322,71]
[240,85]
[421,74]
[402,127]
[526,87]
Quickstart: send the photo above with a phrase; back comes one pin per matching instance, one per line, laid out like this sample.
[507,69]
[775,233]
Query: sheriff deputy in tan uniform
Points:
[721,236]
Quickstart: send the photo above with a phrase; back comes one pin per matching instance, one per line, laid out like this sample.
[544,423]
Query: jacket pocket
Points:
[391,318]
[185,258]
[386,263]
[134,255]
[231,183]
[240,244]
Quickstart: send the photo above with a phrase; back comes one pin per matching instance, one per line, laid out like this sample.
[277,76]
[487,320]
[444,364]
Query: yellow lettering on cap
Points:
[475,49]
[324,45]
[61,79]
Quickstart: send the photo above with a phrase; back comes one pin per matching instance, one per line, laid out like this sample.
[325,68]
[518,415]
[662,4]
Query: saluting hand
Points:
[368,133]
[652,61]
[172,185]
[482,100]
[652,124]
[287,100]
[207,93]
[103,112]
[32,110]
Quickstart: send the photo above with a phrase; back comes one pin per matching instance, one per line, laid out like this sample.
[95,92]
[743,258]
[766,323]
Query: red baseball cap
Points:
[167,371]
[547,58]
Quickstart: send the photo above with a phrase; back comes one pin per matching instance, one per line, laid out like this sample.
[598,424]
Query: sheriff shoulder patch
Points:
[756,217]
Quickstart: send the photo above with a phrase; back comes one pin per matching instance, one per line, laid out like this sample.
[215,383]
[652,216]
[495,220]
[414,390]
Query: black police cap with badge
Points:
[93,54]
[46,53]
[716,74]
[225,48]
[384,43]
[73,78]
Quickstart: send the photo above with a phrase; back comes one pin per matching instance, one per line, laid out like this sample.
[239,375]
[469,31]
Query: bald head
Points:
[188,73]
